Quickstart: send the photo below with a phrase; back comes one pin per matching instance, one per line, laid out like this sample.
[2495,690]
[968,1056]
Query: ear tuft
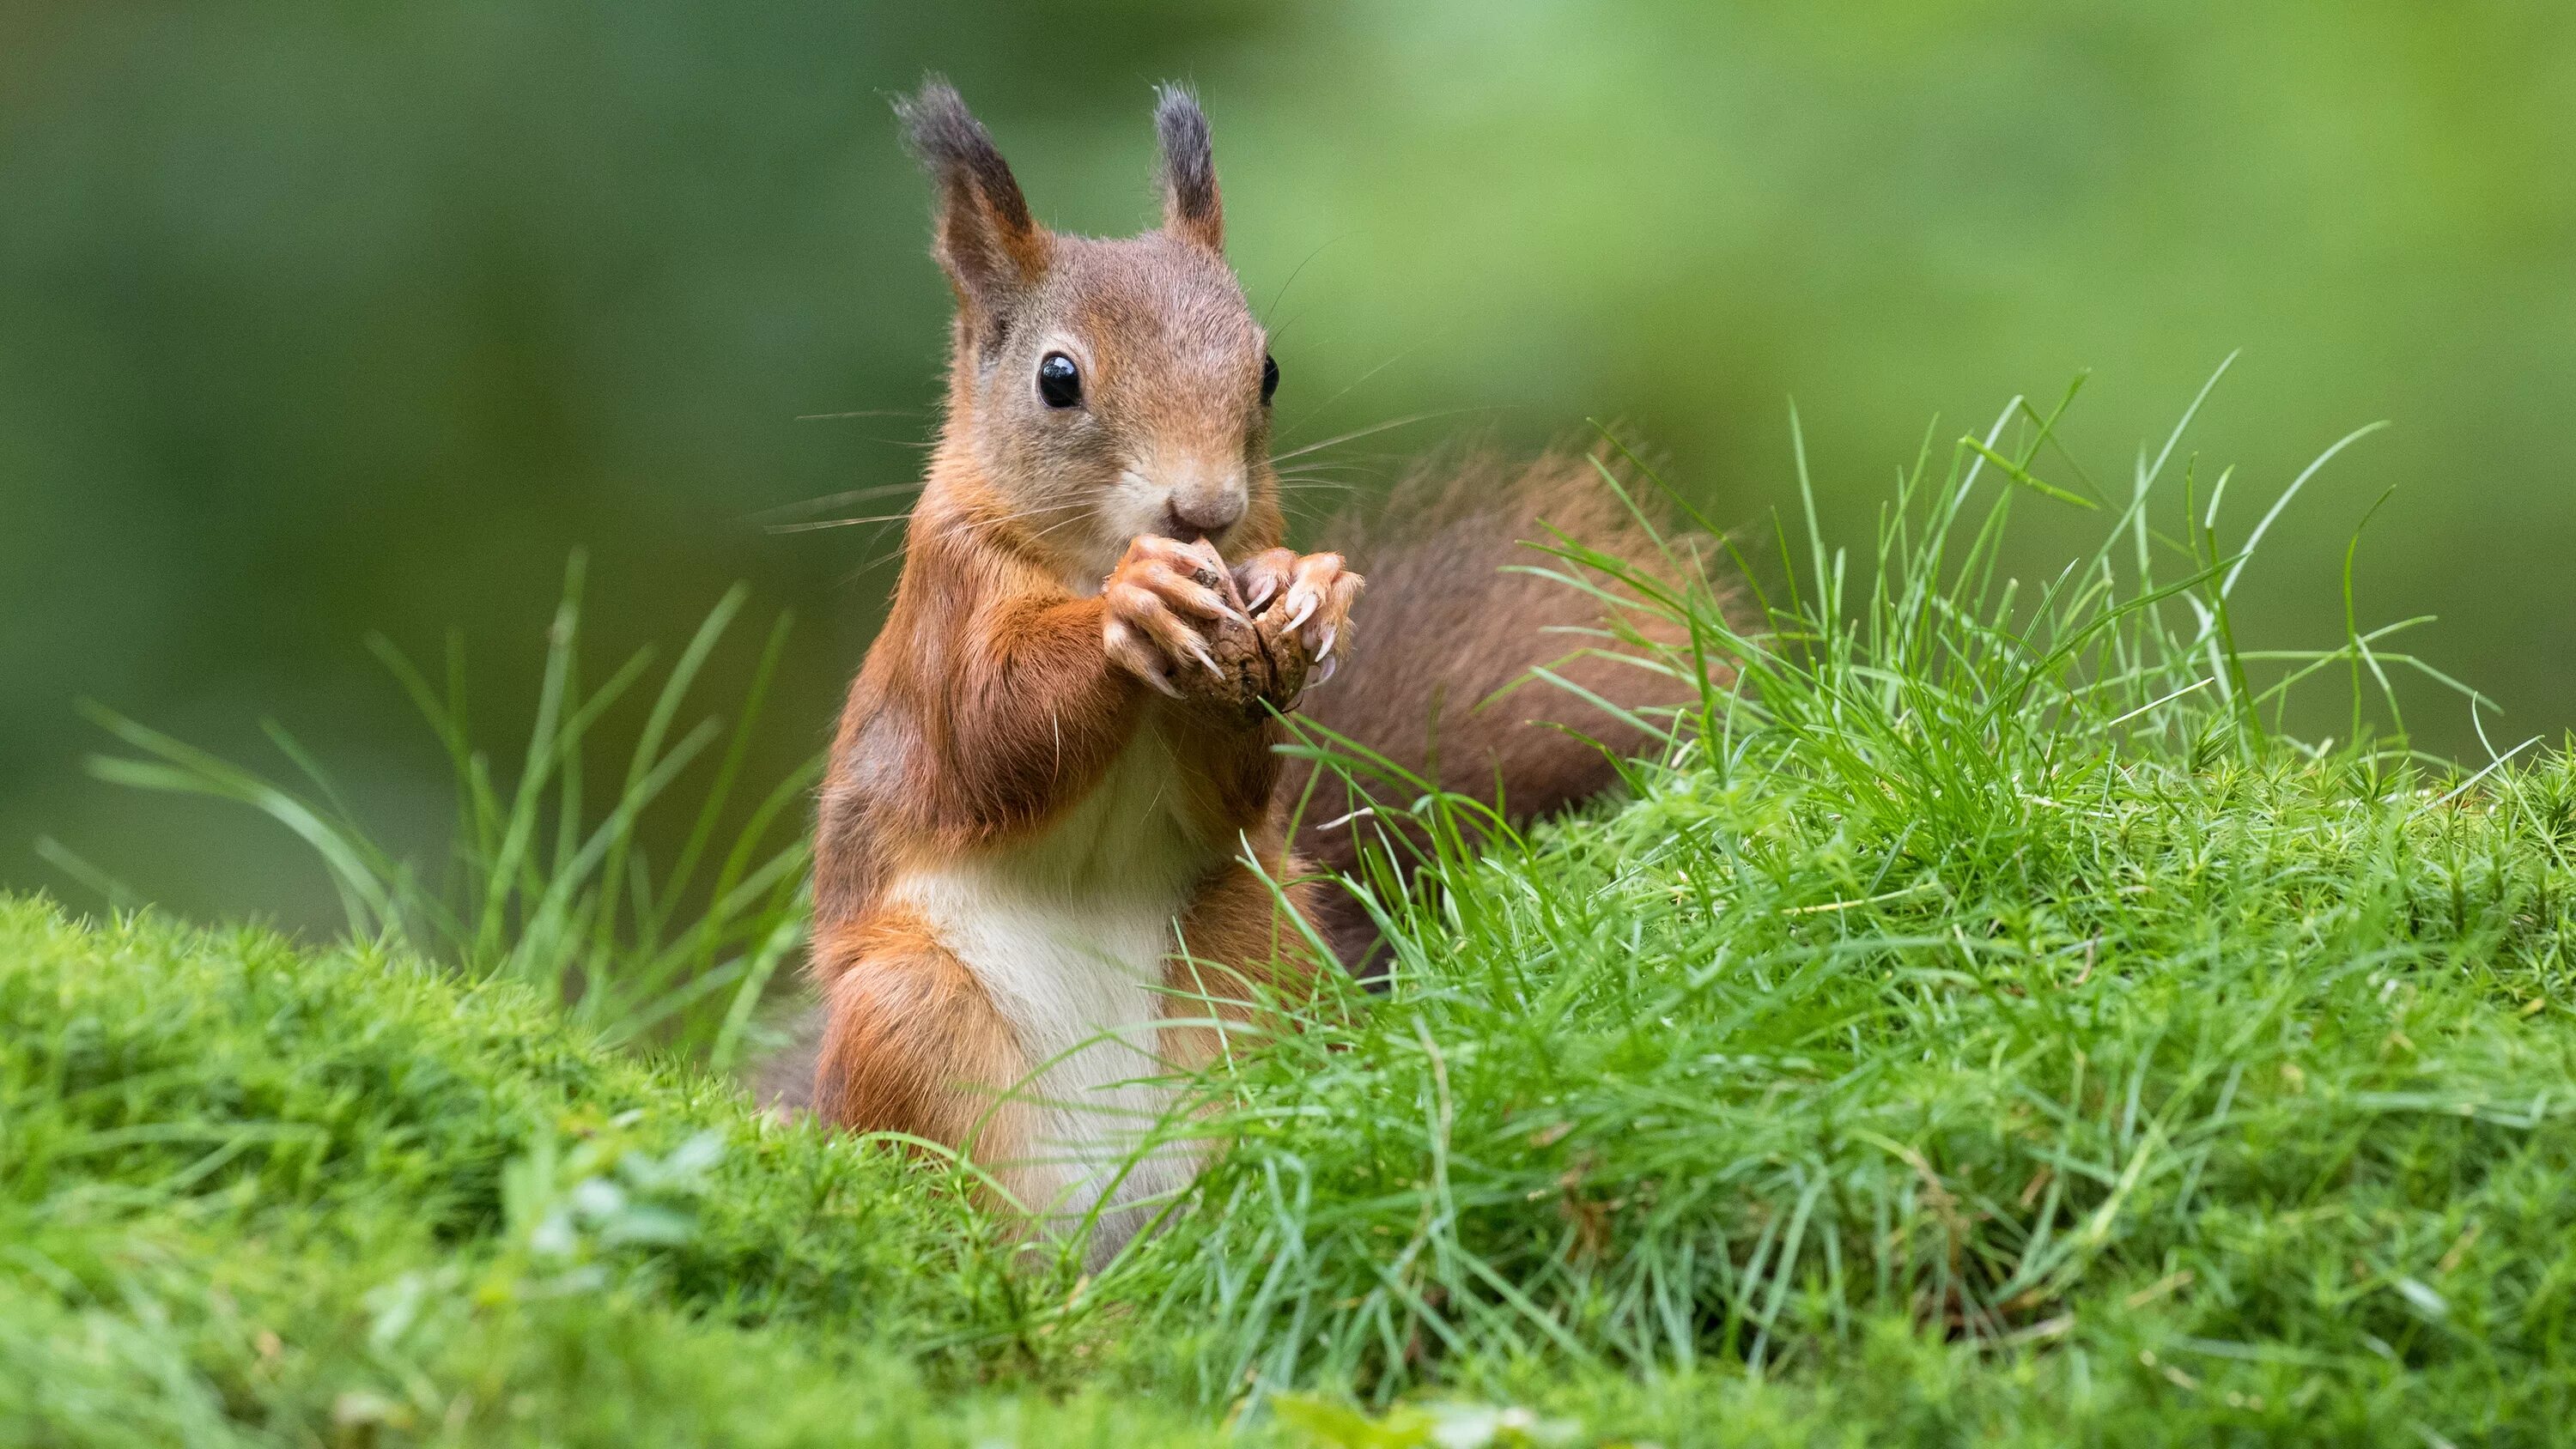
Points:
[987,241]
[1191,206]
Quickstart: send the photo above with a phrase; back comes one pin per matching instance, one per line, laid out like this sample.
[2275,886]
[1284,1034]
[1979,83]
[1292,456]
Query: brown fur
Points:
[1456,622]
[1084,582]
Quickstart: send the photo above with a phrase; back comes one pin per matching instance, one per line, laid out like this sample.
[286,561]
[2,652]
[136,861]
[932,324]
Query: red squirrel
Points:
[1055,837]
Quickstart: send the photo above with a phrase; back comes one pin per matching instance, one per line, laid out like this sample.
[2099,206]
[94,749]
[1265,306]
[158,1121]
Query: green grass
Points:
[256,1194]
[1987,1022]
[540,883]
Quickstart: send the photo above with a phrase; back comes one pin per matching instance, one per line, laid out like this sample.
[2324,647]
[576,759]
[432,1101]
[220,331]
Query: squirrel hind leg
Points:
[910,1042]
[913,1043]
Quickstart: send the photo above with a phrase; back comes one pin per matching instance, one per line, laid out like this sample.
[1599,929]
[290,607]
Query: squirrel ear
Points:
[986,240]
[1191,207]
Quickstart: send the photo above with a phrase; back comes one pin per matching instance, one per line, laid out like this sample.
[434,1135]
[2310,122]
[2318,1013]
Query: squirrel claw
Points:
[1262,576]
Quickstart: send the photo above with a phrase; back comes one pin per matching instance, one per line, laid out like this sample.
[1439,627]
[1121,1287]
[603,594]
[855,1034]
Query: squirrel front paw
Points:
[1164,602]
[1301,609]
[1180,624]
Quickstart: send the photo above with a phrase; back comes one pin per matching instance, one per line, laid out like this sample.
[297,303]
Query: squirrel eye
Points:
[1269,377]
[1059,381]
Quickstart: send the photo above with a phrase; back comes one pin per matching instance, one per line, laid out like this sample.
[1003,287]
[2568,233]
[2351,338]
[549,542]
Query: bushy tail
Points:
[1449,625]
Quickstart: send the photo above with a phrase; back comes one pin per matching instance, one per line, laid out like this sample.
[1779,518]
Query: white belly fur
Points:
[1068,934]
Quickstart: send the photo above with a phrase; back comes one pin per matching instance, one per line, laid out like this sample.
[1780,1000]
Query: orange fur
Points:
[912,1045]
[1063,736]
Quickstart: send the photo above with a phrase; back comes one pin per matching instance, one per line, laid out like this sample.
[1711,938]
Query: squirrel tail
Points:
[1450,620]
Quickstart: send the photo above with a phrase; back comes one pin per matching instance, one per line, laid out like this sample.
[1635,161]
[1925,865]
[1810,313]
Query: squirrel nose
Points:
[1212,511]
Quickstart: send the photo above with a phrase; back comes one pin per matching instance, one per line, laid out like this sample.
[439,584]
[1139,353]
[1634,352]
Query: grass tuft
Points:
[542,884]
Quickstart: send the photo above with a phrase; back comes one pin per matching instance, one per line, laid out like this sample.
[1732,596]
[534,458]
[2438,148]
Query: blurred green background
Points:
[320,319]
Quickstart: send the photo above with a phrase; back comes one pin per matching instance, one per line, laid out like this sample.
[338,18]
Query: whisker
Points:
[816,525]
[1358,433]
[966,529]
[864,413]
[1327,405]
[1277,297]
[831,500]
[1074,511]
[1052,527]
[972,526]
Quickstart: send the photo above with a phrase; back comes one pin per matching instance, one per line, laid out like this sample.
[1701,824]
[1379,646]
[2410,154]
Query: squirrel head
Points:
[1102,389]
